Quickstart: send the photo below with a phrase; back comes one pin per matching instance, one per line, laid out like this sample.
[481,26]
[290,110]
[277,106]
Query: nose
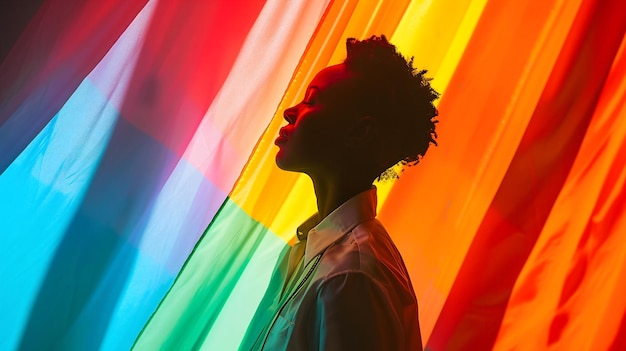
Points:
[290,115]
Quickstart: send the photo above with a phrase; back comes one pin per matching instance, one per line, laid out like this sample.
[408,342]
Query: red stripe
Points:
[189,51]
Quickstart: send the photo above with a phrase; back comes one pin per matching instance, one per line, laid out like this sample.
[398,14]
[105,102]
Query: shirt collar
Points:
[321,234]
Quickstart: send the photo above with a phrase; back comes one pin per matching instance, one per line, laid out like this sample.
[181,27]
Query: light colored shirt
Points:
[346,287]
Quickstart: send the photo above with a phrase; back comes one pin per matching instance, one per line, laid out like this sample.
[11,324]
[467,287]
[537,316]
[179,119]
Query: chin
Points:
[284,166]
[281,162]
[284,163]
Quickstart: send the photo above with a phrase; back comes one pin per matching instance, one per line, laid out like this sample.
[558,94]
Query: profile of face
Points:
[319,128]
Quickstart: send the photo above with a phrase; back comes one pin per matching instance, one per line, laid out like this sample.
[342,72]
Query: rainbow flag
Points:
[140,204]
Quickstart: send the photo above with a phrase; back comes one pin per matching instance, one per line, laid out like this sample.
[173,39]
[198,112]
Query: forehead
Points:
[336,77]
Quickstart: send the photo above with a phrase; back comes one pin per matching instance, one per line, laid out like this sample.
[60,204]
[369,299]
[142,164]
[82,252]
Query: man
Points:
[345,284]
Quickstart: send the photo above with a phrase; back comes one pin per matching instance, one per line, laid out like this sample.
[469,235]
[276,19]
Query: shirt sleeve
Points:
[354,313]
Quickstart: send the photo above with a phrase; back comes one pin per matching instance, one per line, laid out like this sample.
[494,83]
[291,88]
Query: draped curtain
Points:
[140,204]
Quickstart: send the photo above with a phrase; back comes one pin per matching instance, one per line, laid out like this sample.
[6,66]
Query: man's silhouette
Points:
[345,284]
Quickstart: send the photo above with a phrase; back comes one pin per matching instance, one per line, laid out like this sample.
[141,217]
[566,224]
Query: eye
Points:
[310,97]
[309,100]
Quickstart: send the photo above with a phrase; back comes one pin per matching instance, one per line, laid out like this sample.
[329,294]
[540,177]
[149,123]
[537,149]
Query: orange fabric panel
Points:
[535,177]
[435,208]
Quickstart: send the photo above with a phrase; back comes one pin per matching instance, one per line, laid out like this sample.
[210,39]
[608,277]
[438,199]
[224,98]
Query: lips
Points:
[282,137]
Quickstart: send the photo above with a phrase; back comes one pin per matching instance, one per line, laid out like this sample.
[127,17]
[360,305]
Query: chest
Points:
[296,309]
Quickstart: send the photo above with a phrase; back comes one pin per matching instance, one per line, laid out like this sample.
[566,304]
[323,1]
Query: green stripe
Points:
[212,302]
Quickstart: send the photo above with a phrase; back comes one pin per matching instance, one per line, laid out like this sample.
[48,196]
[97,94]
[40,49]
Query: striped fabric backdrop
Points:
[140,204]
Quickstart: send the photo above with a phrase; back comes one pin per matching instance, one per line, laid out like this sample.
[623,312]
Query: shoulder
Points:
[366,248]
[366,251]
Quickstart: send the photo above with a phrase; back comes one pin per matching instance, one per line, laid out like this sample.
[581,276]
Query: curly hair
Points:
[399,93]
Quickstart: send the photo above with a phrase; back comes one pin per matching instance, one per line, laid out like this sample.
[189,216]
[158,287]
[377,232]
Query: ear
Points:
[361,132]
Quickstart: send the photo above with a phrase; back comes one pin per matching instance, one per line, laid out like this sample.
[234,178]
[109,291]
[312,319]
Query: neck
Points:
[331,192]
